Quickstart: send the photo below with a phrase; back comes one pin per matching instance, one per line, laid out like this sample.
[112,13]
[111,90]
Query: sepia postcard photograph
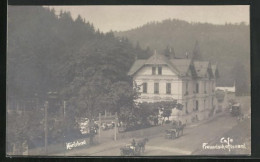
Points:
[128,80]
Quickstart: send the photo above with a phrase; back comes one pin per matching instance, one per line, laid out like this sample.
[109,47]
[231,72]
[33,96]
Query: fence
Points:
[147,132]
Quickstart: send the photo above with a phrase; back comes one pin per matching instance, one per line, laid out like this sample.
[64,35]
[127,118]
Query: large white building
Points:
[189,82]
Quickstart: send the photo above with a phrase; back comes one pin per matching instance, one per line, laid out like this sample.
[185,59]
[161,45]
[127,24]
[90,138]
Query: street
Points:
[191,140]
[208,131]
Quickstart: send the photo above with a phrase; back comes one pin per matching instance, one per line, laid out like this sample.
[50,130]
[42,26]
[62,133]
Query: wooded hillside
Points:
[228,45]
[48,50]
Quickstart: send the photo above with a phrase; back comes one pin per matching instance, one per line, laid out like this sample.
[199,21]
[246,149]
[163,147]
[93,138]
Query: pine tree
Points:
[196,55]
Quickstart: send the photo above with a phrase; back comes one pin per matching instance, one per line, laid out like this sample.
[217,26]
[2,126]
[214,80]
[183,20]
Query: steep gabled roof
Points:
[159,59]
[156,59]
[201,67]
[179,66]
[136,66]
[182,65]
[214,68]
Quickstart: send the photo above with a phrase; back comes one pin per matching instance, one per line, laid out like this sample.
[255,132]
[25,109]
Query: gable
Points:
[138,64]
[154,60]
[183,65]
[147,70]
[203,68]
[215,71]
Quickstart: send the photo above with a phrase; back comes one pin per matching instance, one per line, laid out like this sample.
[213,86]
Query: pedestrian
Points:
[133,144]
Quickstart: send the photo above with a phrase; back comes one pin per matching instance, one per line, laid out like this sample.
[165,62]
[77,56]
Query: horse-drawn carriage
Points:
[129,150]
[235,109]
[134,149]
[176,130]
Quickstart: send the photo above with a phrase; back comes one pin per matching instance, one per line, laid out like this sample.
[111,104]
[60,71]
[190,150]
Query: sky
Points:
[121,18]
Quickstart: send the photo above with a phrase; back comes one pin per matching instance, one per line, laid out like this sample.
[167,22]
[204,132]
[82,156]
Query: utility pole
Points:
[46,125]
[64,112]
[115,126]
[99,127]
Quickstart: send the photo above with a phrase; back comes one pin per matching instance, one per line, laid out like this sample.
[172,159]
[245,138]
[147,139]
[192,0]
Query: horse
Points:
[180,129]
[142,143]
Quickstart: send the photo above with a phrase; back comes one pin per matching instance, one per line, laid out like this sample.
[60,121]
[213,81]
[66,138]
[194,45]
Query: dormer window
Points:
[159,70]
[153,70]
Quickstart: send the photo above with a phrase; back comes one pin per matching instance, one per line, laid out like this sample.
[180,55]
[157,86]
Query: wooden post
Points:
[46,126]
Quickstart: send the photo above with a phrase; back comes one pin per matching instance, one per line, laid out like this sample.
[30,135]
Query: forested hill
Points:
[228,45]
[47,51]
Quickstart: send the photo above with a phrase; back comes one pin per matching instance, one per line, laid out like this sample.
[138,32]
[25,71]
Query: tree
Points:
[87,68]
[92,98]
[137,46]
[239,76]
[123,96]
[196,55]
[22,128]
[79,19]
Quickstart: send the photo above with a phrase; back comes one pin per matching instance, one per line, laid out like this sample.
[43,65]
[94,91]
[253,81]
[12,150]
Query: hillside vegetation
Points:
[53,58]
[228,45]
[48,51]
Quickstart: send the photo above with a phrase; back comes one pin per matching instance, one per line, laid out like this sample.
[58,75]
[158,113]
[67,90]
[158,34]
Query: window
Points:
[144,87]
[153,70]
[186,107]
[156,88]
[197,105]
[168,88]
[186,93]
[205,87]
[197,87]
[159,70]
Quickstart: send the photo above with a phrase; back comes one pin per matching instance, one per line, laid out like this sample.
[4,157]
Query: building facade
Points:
[189,82]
